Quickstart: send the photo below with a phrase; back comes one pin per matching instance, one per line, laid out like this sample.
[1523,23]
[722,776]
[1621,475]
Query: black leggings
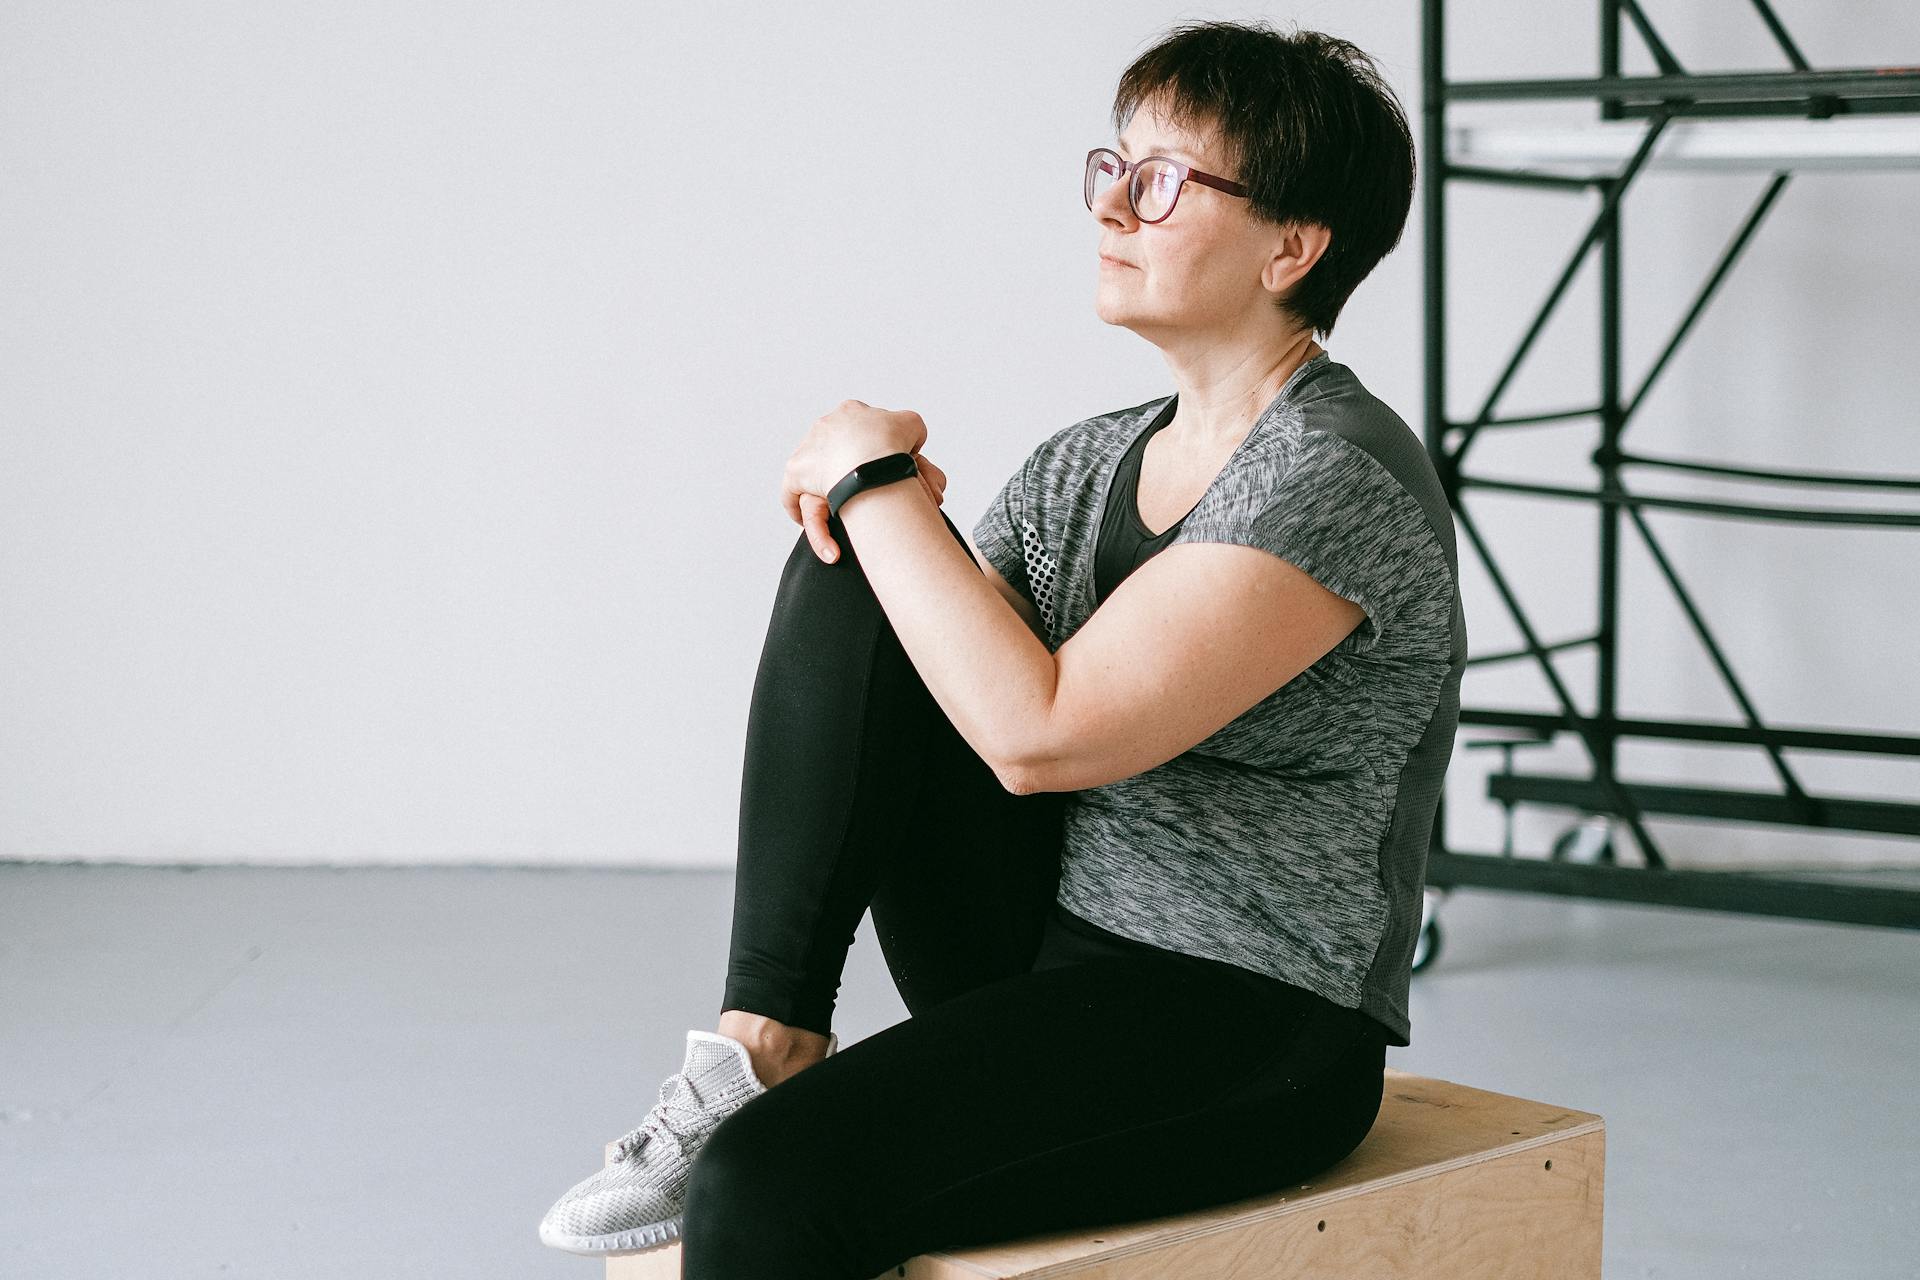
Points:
[1051,1075]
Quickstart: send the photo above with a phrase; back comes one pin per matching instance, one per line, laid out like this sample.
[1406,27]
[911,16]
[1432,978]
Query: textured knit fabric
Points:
[1292,841]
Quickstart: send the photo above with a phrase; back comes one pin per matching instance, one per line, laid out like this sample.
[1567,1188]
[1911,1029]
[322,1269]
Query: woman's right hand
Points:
[813,508]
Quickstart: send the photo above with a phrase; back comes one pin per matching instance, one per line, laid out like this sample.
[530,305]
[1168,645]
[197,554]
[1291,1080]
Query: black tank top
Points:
[1125,543]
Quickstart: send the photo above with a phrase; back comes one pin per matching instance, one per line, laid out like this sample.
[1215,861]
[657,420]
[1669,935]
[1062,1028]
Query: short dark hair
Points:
[1308,126]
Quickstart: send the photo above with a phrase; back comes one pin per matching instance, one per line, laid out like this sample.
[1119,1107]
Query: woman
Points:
[1139,793]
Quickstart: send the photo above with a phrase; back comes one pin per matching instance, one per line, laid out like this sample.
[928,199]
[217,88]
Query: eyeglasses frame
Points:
[1128,168]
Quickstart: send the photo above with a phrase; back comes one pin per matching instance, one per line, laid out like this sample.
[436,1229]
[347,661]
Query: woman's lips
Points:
[1105,261]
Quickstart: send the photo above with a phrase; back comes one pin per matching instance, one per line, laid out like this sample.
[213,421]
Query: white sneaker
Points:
[637,1202]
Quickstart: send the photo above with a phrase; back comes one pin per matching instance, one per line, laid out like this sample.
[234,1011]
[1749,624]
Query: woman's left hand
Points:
[853,433]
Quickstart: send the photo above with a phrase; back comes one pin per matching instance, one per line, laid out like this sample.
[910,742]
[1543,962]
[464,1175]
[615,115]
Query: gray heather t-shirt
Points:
[1293,841]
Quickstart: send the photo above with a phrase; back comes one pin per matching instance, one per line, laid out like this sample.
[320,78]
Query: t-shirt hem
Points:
[1078,918]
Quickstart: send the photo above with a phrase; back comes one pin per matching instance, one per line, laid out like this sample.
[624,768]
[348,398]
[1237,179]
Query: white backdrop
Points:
[393,396]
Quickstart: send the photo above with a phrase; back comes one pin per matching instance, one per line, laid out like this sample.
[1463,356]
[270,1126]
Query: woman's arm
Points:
[979,656]
[1190,640]
[1021,605]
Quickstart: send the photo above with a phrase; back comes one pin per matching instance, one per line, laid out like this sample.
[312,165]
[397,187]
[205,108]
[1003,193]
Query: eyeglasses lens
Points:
[1155,184]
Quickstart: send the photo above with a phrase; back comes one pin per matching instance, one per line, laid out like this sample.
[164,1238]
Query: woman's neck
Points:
[1212,420]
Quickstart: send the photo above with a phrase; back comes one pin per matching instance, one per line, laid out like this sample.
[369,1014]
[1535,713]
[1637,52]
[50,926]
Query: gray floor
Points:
[290,1073]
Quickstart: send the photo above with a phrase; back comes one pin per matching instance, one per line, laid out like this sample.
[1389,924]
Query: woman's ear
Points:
[1301,245]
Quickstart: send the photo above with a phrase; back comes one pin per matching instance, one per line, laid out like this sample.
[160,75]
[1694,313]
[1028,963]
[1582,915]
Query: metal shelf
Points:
[1858,119]
[1852,143]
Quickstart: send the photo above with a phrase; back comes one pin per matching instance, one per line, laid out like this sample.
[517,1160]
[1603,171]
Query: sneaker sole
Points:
[639,1240]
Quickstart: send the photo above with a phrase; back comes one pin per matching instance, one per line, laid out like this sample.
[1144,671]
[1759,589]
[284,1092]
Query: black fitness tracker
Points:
[869,475]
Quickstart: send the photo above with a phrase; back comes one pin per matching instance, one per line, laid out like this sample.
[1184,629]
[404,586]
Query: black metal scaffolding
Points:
[1603,795]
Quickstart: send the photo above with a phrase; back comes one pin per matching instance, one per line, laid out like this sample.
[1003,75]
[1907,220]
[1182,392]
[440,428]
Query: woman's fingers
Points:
[932,478]
[813,518]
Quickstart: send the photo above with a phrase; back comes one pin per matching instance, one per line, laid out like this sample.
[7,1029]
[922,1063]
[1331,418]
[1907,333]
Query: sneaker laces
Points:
[677,1100]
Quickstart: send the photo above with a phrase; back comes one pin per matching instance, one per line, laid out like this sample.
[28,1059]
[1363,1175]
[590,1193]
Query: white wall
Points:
[394,396]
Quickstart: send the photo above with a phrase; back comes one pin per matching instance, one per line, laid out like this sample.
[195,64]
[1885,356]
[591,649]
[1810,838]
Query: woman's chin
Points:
[1111,305]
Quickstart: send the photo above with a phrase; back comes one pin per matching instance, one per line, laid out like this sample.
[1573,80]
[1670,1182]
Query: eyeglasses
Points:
[1155,184]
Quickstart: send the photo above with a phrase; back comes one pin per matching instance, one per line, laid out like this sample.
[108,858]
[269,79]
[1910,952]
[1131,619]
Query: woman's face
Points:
[1197,272]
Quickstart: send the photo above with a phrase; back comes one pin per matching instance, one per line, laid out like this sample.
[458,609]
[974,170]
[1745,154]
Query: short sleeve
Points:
[1335,512]
[997,532]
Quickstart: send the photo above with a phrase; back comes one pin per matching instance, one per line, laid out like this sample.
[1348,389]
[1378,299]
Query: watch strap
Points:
[870,475]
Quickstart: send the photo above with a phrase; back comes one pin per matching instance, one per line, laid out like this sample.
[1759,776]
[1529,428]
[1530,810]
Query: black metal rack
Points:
[1657,100]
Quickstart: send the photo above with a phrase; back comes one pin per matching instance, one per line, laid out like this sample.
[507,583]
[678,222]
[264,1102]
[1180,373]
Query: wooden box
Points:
[1451,1182]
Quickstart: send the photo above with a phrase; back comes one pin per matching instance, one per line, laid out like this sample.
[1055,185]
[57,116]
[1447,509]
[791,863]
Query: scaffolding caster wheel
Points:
[1590,841]
[1427,945]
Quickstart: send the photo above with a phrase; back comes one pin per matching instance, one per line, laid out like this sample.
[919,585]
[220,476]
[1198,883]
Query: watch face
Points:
[893,464]
[873,472]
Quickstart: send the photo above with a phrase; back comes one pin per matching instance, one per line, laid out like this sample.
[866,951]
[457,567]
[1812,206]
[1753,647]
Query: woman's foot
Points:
[638,1200]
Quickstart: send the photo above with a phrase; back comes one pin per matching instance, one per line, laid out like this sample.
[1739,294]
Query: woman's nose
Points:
[1112,203]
